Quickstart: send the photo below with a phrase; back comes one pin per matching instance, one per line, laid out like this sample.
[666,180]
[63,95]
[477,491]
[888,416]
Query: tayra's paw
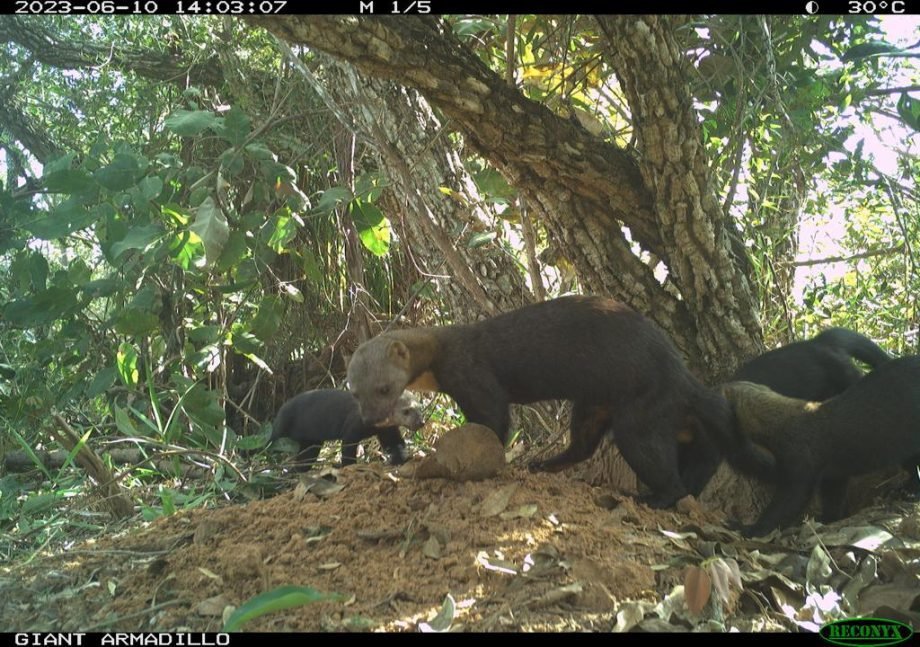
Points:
[536,466]
[398,457]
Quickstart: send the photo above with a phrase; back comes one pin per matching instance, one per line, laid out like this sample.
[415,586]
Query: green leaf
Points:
[136,322]
[121,174]
[150,187]
[137,238]
[332,197]
[100,288]
[245,343]
[68,181]
[261,152]
[283,233]
[233,252]
[864,50]
[102,381]
[480,239]
[909,111]
[236,126]
[126,361]
[204,334]
[373,227]
[42,309]
[268,319]
[187,123]
[283,597]
[211,227]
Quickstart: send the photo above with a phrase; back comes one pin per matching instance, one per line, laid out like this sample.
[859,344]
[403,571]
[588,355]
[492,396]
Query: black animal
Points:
[873,424]
[315,417]
[620,371]
[816,369]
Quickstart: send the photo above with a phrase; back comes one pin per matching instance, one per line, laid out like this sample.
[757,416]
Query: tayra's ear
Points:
[398,353]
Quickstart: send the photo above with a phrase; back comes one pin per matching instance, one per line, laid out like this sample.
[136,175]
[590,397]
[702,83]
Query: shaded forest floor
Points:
[519,552]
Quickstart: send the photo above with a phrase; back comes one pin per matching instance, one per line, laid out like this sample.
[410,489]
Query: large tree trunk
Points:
[583,189]
[419,160]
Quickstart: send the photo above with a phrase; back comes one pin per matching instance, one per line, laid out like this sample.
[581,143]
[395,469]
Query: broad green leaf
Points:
[268,319]
[283,597]
[233,252]
[481,238]
[259,151]
[211,227]
[332,197]
[244,342]
[121,174]
[204,334]
[102,381]
[373,227]
[136,322]
[284,231]
[150,187]
[68,181]
[100,288]
[137,238]
[187,123]
[237,126]
[377,238]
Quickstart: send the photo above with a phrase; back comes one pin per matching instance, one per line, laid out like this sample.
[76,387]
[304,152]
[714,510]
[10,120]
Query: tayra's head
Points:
[759,408]
[377,375]
[407,413]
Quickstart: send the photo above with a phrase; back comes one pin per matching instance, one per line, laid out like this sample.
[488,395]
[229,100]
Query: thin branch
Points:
[838,259]
[882,91]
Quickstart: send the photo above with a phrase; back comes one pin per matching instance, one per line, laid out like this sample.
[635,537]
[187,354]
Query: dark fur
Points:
[620,371]
[315,417]
[816,369]
[874,424]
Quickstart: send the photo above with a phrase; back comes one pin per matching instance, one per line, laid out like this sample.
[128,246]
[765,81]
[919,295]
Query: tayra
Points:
[620,371]
[815,369]
[315,417]
[873,424]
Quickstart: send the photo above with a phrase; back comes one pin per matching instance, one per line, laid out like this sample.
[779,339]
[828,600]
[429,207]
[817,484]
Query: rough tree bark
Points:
[582,188]
[412,147]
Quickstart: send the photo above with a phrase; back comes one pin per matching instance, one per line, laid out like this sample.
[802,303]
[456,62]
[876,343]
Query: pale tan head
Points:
[378,373]
[407,413]
[759,409]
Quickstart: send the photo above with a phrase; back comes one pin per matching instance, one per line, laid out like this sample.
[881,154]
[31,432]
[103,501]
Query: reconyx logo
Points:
[866,631]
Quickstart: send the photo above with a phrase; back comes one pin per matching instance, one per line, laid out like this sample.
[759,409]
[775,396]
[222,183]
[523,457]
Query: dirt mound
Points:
[517,552]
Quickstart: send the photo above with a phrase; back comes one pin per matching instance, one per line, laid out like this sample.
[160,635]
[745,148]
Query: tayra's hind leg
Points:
[589,424]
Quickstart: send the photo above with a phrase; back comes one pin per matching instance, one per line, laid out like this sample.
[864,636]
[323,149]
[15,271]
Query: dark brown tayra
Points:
[820,445]
[620,371]
[314,417]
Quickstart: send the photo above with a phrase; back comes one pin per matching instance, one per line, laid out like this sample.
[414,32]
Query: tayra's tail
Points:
[855,345]
[717,418]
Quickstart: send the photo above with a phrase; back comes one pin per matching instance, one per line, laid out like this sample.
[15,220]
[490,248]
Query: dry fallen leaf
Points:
[697,587]
[432,548]
[212,606]
[497,501]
